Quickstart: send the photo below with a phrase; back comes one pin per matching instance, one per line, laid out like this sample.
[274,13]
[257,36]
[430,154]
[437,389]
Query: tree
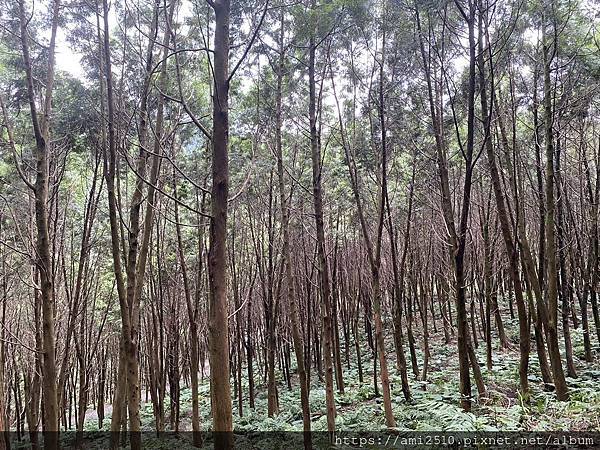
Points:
[44,267]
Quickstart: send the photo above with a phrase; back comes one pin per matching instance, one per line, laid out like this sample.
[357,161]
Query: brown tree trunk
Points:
[565,290]
[217,254]
[551,268]
[287,260]
[43,253]
[320,231]
[488,256]
[4,408]
[505,226]
[192,311]
[457,237]
[110,164]
[399,282]
[374,253]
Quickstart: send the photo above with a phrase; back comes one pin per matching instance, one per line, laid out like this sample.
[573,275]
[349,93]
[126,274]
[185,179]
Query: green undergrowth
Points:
[435,401]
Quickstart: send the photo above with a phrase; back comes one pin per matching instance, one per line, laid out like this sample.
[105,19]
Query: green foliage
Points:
[435,403]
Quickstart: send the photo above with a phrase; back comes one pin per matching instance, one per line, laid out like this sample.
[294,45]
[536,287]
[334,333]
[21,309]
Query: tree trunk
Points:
[505,226]
[320,231]
[217,255]
[43,253]
[287,260]
[551,268]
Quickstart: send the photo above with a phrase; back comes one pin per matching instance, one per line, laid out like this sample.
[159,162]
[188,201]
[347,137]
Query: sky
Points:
[70,61]
[66,59]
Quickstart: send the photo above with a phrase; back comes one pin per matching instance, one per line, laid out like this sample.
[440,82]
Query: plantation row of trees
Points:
[246,191]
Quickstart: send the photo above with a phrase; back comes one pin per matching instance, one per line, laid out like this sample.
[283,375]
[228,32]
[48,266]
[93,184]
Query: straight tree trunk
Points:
[192,311]
[323,270]
[551,268]
[43,261]
[562,267]
[457,236]
[110,164]
[374,252]
[533,279]
[287,260]
[217,254]
[399,282]
[505,226]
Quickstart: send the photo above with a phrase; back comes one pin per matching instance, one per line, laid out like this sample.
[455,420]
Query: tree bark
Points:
[43,260]
[287,260]
[505,226]
[551,267]
[217,254]
[323,270]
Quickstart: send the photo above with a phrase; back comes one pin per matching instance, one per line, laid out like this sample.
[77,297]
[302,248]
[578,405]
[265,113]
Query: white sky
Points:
[70,61]
[66,58]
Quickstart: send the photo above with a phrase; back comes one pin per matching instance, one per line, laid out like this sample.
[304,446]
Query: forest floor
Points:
[435,402]
[434,406]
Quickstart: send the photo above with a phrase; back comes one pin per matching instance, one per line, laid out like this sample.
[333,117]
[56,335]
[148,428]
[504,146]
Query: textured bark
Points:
[192,311]
[128,384]
[457,236]
[324,280]
[41,130]
[505,225]
[129,347]
[110,164]
[286,253]
[217,254]
[551,250]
